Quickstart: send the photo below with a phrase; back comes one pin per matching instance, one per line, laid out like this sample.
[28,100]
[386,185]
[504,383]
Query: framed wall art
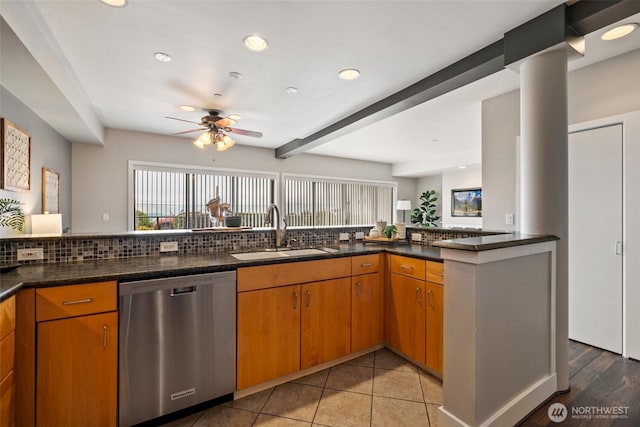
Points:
[50,191]
[466,202]
[16,158]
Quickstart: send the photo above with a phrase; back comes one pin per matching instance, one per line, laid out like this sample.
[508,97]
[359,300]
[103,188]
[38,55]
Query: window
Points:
[314,201]
[175,197]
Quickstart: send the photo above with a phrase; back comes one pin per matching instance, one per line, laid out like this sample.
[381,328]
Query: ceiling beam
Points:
[582,17]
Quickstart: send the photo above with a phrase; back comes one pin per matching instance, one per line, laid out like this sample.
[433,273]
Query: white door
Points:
[595,237]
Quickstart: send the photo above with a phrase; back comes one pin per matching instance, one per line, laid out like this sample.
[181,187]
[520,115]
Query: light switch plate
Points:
[168,246]
[30,254]
[105,216]
[508,219]
[416,237]
[359,235]
[344,236]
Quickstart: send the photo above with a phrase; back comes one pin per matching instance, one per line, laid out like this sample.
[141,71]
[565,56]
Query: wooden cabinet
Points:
[435,311]
[407,316]
[291,316]
[7,362]
[326,321]
[417,288]
[77,371]
[367,301]
[268,334]
[67,356]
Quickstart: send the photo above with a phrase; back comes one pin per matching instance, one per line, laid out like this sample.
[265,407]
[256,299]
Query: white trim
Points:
[168,167]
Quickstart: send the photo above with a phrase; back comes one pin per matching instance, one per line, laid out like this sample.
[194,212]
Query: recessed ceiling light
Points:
[235,117]
[115,3]
[162,57]
[235,75]
[255,43]
[462,167]
[217,94]
[349,74]
[292,89]
[187,108]
[619,31]
[434,140]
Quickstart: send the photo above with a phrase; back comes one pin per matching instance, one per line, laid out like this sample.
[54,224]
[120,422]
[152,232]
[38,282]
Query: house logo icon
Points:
[557,412]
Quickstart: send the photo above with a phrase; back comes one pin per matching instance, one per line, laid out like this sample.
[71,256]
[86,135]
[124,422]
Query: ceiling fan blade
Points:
[189,131]
[244,132]
[182,120]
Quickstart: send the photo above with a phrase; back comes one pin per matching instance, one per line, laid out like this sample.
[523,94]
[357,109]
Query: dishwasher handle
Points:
[187,290]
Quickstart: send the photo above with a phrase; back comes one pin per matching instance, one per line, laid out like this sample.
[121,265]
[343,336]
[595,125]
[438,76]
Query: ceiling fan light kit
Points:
[216,129]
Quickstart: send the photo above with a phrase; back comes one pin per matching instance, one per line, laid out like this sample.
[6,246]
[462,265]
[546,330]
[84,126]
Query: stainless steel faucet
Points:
[280,232]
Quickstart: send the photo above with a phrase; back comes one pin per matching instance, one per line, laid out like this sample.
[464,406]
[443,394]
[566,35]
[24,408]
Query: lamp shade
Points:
[404,205]
[46,224]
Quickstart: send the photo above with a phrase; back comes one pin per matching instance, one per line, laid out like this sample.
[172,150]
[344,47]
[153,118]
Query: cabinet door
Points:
[77,371]
[326,321]
[435,307]
[367,311]
[407,316]
[268,334]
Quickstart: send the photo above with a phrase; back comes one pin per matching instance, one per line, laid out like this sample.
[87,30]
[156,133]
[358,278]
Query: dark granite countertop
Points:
[55,274]
[498,241]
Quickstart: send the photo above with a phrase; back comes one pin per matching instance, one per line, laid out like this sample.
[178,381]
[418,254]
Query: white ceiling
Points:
[104,57]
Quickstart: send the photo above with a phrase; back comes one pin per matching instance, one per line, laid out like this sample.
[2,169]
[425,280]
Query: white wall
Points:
[601,90]
[48,149]
[462,178]
[100,172]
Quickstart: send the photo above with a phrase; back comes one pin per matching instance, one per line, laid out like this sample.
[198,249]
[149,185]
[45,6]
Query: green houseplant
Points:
[425,213]
[11,214]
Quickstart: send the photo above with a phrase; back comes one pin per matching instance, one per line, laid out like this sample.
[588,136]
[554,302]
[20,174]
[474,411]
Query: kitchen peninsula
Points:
[397,267]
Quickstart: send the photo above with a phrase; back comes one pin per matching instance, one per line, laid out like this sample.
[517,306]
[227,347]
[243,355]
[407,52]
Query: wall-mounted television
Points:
[466,202]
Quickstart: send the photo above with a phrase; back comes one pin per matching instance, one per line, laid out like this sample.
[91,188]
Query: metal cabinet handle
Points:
[78,301]
[366,264]
[104,336]
[308,298]
[295,300]
[419,295]
[358,285]
[429,292]
[406,267]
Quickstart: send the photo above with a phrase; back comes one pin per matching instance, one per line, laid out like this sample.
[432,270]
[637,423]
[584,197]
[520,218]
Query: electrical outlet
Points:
[508,219]
[168,246]
[416,237]
[105,216]
[344,236]
[359,235]
[30,254]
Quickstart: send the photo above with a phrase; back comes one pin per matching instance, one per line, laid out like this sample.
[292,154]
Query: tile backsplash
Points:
[143,244]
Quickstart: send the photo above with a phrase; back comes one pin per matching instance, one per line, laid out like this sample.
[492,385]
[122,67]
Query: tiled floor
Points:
[378,389]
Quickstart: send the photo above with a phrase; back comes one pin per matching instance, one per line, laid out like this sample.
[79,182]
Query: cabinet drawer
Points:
[7,354]
[7,317]
[269,276]
[409,267]
[75,300]
[365,264]
[435,272]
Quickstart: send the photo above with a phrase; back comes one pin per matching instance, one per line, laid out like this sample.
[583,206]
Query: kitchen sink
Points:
[284,253]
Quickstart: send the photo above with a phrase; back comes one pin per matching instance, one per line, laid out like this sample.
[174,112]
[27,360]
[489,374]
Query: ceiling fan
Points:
[216,129]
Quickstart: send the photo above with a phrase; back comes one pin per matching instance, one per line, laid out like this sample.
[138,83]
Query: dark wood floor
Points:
[598,378]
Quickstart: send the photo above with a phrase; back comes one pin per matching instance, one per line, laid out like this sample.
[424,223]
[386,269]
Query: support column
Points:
[544,174]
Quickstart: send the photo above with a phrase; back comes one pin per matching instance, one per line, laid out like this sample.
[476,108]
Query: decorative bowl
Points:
[232,221]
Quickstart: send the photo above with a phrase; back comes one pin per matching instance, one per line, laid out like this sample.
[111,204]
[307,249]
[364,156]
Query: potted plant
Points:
[425,213]
[11,214]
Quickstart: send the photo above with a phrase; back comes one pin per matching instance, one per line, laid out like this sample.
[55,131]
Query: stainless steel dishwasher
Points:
[177,344]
